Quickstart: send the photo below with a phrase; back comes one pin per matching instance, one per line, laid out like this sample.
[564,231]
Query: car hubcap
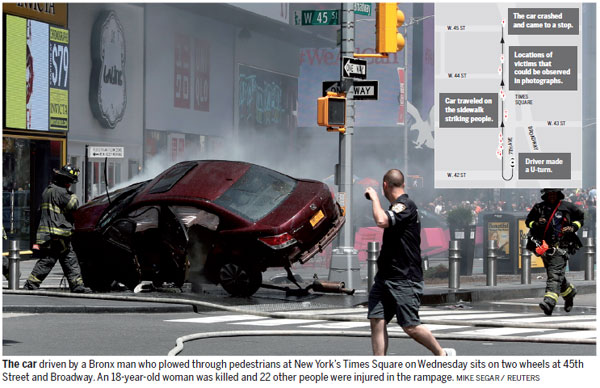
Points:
[234,277]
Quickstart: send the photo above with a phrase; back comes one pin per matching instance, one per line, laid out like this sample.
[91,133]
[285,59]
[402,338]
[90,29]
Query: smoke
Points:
[150,170]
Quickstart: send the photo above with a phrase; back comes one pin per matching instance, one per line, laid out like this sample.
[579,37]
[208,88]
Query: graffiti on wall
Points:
[266,99]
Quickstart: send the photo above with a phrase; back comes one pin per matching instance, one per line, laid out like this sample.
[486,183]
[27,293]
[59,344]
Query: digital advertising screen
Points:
[36,91]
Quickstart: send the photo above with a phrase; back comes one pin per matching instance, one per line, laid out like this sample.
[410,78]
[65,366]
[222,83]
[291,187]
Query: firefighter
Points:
[53,238]
[553,223]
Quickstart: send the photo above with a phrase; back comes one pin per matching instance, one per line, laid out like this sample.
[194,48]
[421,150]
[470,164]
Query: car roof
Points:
[207,180]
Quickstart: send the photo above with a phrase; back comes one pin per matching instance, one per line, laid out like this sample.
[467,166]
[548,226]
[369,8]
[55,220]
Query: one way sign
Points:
[354,68]
[363,90]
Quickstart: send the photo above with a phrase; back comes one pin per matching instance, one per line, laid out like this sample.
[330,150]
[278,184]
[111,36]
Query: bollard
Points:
[13,265]
[492,265]
[372,254]
[590,255]
[454,264]
[525,263]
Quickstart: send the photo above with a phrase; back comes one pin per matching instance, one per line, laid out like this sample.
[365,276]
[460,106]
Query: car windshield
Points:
[258,192]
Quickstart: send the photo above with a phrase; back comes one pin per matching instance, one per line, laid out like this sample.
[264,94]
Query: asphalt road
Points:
[154,334]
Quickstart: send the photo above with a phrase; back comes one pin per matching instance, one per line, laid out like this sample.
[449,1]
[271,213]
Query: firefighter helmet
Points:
[552,190]
[67,173]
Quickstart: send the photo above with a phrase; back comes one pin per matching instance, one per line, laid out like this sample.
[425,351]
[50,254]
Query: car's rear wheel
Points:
[239,280]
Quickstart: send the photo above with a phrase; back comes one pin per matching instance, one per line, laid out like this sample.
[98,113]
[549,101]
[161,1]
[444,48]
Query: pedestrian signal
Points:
[331,110]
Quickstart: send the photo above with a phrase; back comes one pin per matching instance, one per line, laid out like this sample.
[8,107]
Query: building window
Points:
[98,180]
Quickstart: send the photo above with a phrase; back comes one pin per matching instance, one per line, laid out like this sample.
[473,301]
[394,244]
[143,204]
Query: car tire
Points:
[239,280]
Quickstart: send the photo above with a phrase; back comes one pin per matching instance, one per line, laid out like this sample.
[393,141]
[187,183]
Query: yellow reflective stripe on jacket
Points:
[54,230]
[578,224]
[51,207]
[72,202]
[530,224]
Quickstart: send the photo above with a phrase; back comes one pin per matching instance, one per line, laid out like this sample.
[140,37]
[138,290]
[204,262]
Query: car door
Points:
[173,240]
[121,264]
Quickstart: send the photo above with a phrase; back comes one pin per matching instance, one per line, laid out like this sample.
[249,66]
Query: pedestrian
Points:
[53,238]
[553,223]
[398,284]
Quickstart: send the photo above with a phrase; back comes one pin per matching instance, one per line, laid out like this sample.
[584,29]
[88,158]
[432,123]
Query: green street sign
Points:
[362,9]
[317,17]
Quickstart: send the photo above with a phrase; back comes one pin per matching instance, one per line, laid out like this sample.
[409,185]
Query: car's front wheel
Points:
[240,280]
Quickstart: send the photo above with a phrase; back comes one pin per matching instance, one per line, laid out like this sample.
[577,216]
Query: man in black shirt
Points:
[398,285]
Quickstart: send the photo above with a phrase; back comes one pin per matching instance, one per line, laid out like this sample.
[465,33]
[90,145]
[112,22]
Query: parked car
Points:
[226,221]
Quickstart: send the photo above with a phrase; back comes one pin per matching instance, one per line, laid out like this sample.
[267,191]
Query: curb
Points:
[487,293]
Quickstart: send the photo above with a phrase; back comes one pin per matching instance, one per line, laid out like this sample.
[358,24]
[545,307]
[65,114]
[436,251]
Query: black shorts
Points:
[401,298]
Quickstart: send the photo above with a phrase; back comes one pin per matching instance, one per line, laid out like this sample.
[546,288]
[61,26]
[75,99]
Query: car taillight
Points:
[278,242]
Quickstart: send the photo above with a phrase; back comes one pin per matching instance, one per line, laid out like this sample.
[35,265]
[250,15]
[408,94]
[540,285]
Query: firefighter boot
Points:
[81,290]
[30,286]
[568,296]
[77,286]
[32,283]
[548,304]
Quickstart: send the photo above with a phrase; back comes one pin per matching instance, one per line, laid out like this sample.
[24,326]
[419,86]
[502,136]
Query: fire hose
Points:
[337,333]
[311,316]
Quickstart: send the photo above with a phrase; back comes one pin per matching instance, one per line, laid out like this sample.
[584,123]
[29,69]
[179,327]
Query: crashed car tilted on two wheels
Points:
[223,221]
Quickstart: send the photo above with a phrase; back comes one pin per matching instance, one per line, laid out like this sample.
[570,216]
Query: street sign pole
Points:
[344,261]
[87,175]
[405,171]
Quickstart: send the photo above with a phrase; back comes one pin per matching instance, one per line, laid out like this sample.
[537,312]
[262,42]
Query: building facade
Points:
[145,86]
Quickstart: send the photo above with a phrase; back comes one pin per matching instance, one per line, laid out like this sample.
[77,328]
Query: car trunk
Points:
[307,213]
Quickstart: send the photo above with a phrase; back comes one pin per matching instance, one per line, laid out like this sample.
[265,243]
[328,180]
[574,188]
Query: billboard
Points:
[36,91]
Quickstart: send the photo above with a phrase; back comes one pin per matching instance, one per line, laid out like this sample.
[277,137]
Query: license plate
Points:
[317,218]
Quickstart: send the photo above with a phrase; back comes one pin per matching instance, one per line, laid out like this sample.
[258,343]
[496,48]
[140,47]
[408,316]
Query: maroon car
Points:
[219,220]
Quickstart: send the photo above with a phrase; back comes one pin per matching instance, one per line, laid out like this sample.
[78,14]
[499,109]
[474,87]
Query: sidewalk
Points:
[472,289]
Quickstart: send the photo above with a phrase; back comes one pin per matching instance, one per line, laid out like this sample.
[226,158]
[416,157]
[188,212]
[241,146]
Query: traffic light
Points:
[388,19]
[331,110]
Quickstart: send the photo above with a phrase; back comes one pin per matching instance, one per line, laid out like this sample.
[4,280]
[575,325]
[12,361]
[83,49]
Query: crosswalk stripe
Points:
[345,311]
[337,325]
[433,327]
[558,318]
[507,331]
[570,334]
[456,316]
[276,322]
[454,312]
[479,316]
[217,319]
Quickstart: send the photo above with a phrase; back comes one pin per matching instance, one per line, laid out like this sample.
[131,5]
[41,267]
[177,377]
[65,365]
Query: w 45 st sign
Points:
[324,17]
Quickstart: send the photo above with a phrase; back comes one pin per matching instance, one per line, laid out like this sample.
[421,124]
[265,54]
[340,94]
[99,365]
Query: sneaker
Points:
[450,352]
[569,301]
[144,286]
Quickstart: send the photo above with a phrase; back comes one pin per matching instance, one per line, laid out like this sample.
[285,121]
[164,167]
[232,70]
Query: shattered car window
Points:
[145,218]
[258,192]
[190,216]
[120,200]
